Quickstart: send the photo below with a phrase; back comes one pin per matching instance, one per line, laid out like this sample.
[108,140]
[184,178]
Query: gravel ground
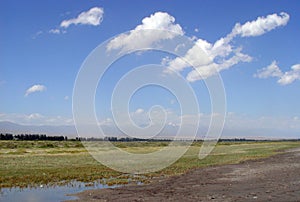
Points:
[272,179]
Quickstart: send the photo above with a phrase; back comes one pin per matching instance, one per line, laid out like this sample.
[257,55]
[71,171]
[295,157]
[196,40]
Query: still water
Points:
[47,194]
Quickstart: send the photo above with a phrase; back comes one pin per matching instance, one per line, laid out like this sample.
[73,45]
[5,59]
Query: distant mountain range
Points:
[10,127]
[70,131]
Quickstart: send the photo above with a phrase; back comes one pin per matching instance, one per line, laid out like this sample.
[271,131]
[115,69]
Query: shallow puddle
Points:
[47,194]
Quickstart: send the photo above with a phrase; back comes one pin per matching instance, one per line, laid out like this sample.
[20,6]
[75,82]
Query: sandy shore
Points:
[272,179]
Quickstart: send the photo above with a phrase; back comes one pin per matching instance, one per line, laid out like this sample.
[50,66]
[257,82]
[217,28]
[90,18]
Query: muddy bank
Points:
[272,179]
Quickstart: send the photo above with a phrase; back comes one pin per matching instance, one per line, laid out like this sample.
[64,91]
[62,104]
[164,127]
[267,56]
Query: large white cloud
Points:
[222,53]
[284,78]
[35,88]
[94,17]
[205,71]
[222,56]
[137,38]
[261,25]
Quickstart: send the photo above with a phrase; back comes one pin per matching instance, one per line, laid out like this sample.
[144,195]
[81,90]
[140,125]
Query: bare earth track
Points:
[276,178]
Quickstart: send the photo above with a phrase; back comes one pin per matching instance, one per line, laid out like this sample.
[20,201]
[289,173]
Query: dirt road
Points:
[273,179]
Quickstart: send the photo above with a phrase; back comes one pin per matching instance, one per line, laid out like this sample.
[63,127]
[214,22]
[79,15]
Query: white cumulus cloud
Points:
[35,88]
[270,71]
[222,53]
[290,76]
[137,38]
[94,17]
[284,78]
[261,25]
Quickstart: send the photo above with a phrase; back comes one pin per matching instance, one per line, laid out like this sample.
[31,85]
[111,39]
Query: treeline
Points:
[42,137]
[239,140]
[122,139]
[129,139]
[8,136]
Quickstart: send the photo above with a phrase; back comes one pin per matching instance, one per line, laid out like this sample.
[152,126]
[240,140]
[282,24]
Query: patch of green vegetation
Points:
[226,154]
[14,144]
[31,163]
[141,144]
[40,169]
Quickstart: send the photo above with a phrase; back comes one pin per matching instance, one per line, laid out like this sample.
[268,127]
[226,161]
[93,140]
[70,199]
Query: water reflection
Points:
[48,193]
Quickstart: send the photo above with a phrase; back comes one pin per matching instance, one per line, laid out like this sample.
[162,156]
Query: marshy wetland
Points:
[40,165]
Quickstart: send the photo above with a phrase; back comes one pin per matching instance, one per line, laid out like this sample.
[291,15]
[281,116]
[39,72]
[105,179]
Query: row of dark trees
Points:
[8,136]
[122,139]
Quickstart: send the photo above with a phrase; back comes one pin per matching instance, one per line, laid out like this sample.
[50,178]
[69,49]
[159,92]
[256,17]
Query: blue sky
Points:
[41,56]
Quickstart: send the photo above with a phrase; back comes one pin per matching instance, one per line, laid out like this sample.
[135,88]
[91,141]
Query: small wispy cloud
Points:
[139,111]
[37,34]
[35,88]
[94,17]
[34,116]
[36,119]
[270,71]
[54,31]
[284,78]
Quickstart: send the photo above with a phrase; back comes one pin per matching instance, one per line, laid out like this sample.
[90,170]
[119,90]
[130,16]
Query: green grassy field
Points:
[32,163]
